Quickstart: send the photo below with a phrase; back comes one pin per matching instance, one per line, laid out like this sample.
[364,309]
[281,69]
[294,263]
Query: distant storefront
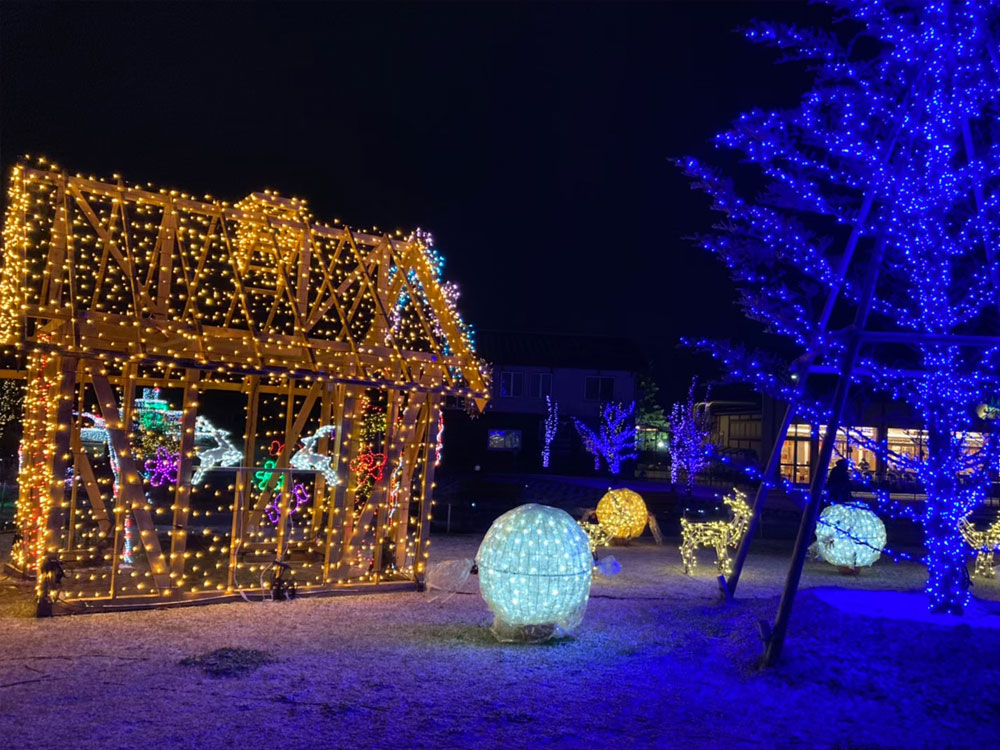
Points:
[747,431]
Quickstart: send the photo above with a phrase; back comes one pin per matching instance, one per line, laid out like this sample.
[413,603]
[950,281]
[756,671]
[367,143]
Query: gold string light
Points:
[720,535]
[140,286]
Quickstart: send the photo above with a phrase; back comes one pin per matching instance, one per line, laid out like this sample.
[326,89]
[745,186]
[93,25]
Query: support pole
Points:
[182,492]
[775,637]
[729,585]
[421,555]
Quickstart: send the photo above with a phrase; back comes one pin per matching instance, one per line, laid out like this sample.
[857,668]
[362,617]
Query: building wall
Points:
[467,439]
[568,388]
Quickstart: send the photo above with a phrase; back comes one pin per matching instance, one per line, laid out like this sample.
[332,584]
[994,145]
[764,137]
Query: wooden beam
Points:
[355,528]
[326,413]
[281,462]
[183,341]
[130,485]
[382,491]
[342,505]
[64,370]
[182,492]
[421,554]
[97,505]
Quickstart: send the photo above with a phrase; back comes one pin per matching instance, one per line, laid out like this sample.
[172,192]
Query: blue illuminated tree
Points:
[882,184]
[614,440]
[690,429]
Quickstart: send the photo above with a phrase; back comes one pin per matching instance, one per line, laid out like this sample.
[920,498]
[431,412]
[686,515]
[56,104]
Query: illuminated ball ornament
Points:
[622,513]
[534,573]
[849,536]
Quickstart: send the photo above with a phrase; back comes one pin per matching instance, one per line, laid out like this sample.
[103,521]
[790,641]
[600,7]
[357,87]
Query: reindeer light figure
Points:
[307,459]
[223,454]
[719,534]
[985,543]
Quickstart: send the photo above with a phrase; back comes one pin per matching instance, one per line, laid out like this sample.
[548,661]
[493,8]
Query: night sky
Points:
[534,141]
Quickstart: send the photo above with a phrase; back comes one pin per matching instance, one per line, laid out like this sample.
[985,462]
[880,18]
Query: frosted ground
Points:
[658,662]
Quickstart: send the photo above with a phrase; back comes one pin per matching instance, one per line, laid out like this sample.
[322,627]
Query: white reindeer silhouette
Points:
[307,459]
[223,454]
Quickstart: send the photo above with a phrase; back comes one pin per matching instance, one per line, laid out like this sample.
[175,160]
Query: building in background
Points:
[746,432]
[579,373]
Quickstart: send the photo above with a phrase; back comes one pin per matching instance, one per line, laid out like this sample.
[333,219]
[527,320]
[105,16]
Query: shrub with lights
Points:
[534,573]
[690,428]
[614,440]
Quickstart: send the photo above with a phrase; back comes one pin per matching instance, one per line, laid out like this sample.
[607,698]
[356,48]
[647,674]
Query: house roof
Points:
[559,350]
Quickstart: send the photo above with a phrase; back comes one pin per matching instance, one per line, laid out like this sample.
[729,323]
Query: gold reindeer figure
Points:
[719,534]
[985,543]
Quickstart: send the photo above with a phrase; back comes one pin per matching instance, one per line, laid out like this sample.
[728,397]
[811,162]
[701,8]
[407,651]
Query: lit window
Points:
[504,440]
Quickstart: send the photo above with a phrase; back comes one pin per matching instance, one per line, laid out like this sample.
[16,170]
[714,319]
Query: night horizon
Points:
[533,158]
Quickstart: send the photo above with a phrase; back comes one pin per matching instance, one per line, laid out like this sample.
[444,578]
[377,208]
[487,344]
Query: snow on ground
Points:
[658,662]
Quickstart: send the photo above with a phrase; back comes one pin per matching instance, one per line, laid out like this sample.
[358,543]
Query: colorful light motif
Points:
[307,459]
[264,476]
[439,442]
[162,469]
[395,485]
[368,465]
[126,559]
[299,497]
[223,454]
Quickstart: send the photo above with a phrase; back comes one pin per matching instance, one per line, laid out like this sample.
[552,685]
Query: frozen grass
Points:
[658,662]
[229,662]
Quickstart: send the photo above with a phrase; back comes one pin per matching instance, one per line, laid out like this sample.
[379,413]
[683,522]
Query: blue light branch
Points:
[897,144]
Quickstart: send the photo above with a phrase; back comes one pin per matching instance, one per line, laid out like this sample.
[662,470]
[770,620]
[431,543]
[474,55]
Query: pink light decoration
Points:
[162,468]
[299,497]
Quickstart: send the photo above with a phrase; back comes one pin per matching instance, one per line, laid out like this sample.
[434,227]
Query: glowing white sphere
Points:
[534,568]
[849,536]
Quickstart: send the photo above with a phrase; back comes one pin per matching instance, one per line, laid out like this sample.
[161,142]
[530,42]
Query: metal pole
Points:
[775,637]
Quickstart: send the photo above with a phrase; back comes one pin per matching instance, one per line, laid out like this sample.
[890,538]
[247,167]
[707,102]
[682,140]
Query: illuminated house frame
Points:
[108,289]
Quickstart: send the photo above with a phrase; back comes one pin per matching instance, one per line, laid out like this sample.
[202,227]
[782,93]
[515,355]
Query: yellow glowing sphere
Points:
[622,513]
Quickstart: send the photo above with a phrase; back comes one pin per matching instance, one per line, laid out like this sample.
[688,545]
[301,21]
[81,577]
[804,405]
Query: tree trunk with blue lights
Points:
[947,579]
